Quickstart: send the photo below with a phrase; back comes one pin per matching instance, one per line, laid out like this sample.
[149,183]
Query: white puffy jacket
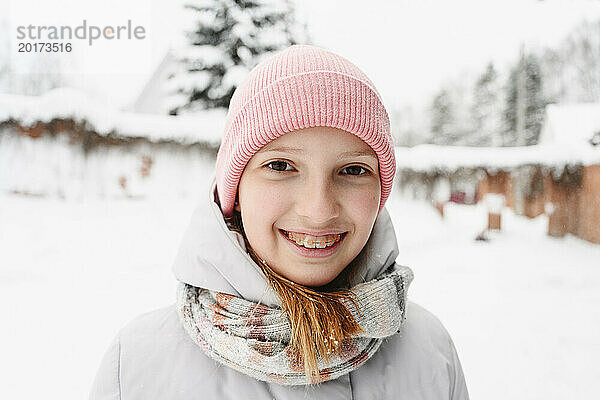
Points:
[154,358]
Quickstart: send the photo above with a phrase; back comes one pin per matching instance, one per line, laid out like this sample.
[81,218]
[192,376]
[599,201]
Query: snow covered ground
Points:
[523,308]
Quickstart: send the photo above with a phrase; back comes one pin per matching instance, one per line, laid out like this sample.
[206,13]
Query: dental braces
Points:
[312,243]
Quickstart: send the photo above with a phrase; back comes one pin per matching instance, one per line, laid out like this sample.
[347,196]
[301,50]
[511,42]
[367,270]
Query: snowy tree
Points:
[556,89]
[525,104]
[441,117]
[449,113]
[572,71]
[408,127]
[228,38]
[32,75]
[486,113]
[583,55]
[445,125]
[37,76]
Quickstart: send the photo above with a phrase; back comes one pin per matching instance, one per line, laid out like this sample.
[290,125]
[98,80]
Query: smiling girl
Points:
[288,285]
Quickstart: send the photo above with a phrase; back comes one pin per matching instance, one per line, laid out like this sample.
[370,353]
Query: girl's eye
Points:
[279,166]
[282,166]
[355,170]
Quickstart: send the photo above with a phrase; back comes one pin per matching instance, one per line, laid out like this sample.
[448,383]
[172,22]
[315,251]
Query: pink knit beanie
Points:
[301,87]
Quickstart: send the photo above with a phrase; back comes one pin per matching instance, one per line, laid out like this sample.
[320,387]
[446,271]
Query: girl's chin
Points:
[311,283]
[311,275]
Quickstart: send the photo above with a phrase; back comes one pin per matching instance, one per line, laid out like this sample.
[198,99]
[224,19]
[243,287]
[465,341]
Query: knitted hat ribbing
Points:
[301,87]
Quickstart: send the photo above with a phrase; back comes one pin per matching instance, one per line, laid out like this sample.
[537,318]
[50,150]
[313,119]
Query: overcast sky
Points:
[408,48]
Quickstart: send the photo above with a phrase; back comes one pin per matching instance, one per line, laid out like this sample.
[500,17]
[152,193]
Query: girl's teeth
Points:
[314,242]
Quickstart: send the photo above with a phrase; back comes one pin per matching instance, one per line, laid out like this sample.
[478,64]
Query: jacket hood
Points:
[213,257]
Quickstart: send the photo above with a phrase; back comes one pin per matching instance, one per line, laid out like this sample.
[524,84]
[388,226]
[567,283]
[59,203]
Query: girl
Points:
[288,286]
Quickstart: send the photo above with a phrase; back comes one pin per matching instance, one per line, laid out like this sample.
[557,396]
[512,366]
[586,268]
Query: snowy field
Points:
[523,308]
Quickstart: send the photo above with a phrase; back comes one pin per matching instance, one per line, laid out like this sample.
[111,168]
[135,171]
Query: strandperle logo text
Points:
[84,31]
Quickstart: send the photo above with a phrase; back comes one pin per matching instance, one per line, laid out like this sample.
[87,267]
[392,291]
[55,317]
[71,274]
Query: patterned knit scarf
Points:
[254,339]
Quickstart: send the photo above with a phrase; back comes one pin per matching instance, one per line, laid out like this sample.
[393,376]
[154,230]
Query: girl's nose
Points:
[317,201]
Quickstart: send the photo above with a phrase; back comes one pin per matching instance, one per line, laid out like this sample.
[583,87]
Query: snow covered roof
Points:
[566,139]
[429,158]
[570,123]
[68,103]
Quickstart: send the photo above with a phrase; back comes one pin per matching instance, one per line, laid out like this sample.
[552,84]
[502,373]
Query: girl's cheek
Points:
[267,198]
[363,199]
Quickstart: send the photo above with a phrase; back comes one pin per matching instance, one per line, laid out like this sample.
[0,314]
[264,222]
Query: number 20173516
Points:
[44,47]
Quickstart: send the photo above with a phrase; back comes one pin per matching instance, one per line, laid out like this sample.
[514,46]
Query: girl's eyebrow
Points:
[357,153]
[346,154]
[285,149]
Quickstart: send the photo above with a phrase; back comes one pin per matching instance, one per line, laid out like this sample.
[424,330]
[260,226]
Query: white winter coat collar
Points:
[213,257]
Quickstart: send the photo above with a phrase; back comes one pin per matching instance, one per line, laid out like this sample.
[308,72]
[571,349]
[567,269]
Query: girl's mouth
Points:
[313,246]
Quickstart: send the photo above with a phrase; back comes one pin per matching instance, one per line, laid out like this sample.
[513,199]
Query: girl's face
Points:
[308,201]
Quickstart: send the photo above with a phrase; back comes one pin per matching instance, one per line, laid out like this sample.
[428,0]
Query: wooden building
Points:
[559,177]
[68,145]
